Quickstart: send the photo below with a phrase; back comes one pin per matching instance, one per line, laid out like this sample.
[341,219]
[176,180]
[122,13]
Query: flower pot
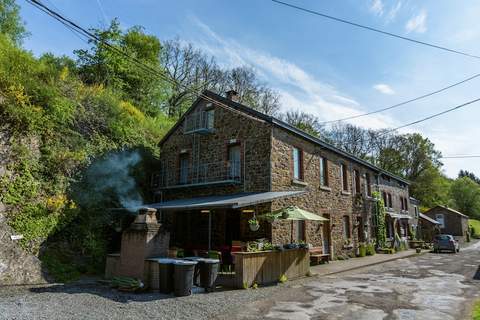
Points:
[254,227]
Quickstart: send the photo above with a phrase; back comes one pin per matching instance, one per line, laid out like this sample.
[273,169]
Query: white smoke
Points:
[112,178]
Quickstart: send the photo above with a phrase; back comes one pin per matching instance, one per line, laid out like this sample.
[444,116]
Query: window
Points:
[356,181]
[406,203]
[209,118]
[234,161]
[389,195]
[402,203]
[184,168]
[440,219]
[416,211]
[368,184]
[323,172]
[297,164]
[346,227]
[384,196]
[344,174]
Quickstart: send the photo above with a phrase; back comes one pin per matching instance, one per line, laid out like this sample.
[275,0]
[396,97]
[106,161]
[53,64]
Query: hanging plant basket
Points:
[253,224]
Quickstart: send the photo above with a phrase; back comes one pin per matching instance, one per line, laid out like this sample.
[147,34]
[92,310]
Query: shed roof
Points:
[231,201]
[421,215]
[281,124]
[448,209]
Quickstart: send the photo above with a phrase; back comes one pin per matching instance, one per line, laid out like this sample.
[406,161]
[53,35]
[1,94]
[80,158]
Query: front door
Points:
[360,230]
[326,235]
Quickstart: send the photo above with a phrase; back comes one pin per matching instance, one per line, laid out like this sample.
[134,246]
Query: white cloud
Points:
[377,7]
[417,23]
[384,88]
[392,13]
[298,88]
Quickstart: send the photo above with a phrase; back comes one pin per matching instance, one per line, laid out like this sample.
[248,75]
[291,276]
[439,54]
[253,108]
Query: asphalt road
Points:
[431,286]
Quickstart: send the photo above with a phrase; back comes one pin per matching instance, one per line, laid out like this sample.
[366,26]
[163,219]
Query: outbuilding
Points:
[450,221]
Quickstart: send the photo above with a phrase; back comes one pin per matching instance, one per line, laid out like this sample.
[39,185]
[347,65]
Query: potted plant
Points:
[253,224]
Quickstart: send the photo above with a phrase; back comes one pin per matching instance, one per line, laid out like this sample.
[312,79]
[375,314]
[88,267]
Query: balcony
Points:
[224,172]
[199,122]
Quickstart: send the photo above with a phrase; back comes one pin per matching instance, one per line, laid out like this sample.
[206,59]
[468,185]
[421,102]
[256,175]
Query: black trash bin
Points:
[184,271]
[165,274]
[208,273]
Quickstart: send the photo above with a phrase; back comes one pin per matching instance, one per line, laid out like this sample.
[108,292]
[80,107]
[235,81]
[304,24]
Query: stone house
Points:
[450,221]
[223,163]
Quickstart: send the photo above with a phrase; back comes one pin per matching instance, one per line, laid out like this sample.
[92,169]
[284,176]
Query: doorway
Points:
[326,237]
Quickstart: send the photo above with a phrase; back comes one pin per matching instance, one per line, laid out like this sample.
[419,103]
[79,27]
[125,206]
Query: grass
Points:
[476,226]
[476,311]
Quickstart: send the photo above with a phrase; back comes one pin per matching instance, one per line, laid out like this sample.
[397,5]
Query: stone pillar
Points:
[145,238]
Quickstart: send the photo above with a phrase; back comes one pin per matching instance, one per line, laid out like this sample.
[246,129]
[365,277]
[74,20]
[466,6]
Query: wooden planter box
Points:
[415,244]
[266,267]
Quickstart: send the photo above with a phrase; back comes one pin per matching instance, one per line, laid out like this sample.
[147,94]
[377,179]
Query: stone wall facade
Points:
[330,201]
[230,128]
[267,165]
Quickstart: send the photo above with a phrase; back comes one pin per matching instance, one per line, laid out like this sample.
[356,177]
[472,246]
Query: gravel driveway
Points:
[431,286]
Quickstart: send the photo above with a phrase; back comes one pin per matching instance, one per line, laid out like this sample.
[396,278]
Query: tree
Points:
[465,194]
[10,22]
[351,138]
[303,121]
[191,70]
[102,66]
[471,175]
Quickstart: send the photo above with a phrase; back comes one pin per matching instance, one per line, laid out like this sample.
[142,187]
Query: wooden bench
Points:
[317,255]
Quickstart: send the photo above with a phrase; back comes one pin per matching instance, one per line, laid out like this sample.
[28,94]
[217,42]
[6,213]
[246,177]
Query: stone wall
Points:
[330,200]
[230,128]
[16,266]
[455,224]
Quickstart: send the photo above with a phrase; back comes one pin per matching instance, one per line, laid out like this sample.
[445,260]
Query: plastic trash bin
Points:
[165,274]
[196,274]
[152,277]
[208,273]
[184,270]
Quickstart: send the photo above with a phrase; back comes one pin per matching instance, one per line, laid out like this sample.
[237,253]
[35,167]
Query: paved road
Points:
[430,287]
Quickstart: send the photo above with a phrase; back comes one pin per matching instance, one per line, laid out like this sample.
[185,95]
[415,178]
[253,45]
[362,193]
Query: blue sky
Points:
[319,66]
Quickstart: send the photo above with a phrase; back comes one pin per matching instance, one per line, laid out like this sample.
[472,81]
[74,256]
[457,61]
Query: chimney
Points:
[232,95]
[145,238]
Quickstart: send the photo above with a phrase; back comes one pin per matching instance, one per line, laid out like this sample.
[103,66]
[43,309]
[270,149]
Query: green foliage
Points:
[283,278]
[379,214]
[474,228]
[362,250]
[11,24]
[465,194]
[102,66]
[370,249]
[59,126]
[476,311]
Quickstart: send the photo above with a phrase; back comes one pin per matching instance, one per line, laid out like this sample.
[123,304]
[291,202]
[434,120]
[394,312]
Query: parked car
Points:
[445,242]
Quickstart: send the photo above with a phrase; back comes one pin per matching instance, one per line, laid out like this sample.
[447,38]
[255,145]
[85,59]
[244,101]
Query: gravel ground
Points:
[430,286]
[93,301]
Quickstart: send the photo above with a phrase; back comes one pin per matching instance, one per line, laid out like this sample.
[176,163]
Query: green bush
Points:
[370,249]
[362,250]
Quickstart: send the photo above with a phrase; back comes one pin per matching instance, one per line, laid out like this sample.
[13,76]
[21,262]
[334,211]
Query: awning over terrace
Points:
[399,215]
[232,201]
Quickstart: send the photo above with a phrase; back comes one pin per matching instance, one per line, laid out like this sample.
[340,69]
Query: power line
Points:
[459,157]
[358,25]
[432,116]
[404,102]
[149,69]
